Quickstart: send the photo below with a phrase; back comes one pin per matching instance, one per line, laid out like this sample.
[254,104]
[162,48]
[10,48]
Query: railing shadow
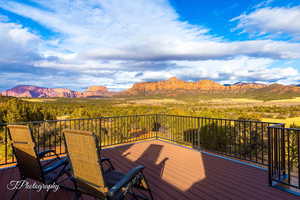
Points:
[179,173]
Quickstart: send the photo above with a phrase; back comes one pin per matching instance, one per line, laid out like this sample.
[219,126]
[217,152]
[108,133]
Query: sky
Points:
[116,43]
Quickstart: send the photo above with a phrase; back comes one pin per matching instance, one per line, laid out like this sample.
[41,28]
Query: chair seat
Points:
[55,165]
[53,170]
[112,177]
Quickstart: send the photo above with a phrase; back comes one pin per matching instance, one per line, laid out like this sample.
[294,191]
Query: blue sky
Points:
[115,43]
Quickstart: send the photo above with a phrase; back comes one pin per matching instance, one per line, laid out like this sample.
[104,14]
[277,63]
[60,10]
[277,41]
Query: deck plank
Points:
[175,172]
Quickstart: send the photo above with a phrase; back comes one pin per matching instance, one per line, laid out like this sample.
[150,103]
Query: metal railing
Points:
[242,139]
[284,154]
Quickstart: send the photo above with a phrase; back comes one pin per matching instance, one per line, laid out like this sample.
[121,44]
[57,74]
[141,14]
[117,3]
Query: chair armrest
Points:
[125,180]
[44,153]
[56,165]
[104,159]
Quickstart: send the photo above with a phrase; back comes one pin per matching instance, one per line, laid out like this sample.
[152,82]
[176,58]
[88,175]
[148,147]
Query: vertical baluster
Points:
[283,150]
[289,161]
[6,143]
[270,160]
[276,153]
[250,141]
[55,135]
[239,136]
[60,137]
[50,134]
[262,143]
[298,152]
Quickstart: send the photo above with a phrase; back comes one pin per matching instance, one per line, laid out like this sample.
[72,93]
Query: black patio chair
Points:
[29,160]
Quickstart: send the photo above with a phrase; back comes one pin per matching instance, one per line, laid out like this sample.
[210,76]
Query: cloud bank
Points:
[116,43]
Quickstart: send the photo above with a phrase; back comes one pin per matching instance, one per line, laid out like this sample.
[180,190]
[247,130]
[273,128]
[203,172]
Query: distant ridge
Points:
[175,86]
[38,92]
[169,87]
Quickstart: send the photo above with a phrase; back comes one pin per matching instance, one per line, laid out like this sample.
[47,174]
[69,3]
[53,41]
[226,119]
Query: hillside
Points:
[174,86]
[37,92]
[170,87]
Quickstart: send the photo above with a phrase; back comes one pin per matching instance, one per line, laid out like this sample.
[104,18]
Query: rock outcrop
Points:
[170,87]
[174,85]
[36,92]
[96,91]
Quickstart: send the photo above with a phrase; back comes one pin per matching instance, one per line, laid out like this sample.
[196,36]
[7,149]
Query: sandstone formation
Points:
[174,85]
[170,87]
[36,92]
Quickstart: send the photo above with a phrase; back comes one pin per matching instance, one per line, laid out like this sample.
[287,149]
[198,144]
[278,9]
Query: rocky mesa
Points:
[39,92]
[170,87]
[175,85]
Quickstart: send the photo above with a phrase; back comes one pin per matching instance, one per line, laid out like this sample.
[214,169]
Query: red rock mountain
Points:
[96,91]
[170,87]
[174,85]
[36,92]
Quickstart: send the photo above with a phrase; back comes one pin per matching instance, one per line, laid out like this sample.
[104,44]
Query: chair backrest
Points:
[84,155]
[24,149]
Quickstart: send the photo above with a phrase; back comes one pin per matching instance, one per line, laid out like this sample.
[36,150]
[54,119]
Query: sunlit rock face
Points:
[175,86]
[34,91]
[170,87]
[96,91]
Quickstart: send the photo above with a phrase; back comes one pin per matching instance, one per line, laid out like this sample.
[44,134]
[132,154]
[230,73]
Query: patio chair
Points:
[29,160]
[90,175]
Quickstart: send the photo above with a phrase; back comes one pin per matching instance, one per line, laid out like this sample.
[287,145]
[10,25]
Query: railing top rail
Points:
[274,124]
[277,125]
[63,120]
[291,129]
[214,118]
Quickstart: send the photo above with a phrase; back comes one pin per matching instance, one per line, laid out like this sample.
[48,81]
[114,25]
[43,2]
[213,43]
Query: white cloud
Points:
[263,4]
[17,44]
[116,43]
[271,21]
[143,30]
[240,68]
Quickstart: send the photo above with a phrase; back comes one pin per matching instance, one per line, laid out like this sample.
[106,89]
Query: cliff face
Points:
[35,92]
[174,85]
[170,87]
[95,91]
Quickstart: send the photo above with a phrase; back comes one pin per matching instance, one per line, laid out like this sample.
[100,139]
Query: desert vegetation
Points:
[17,110]
[227,137]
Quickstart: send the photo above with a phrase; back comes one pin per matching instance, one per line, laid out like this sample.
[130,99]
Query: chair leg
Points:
[77,192]
[148,187]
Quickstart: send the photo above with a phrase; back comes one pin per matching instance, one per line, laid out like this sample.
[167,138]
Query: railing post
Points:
[198,132]
[100,132]
[156,121]
[269,156]
[283,148]
[5,141]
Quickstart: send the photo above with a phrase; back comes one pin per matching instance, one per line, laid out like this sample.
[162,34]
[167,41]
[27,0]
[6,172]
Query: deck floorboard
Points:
[175,172]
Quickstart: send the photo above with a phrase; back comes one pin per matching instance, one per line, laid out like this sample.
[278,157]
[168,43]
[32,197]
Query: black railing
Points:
[110,130]
[284,156]
[242,139]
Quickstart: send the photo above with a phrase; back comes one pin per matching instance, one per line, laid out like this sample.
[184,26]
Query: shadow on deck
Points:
[175,172]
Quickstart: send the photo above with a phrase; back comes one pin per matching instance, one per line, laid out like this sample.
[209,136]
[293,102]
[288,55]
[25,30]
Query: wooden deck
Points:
[175,172]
